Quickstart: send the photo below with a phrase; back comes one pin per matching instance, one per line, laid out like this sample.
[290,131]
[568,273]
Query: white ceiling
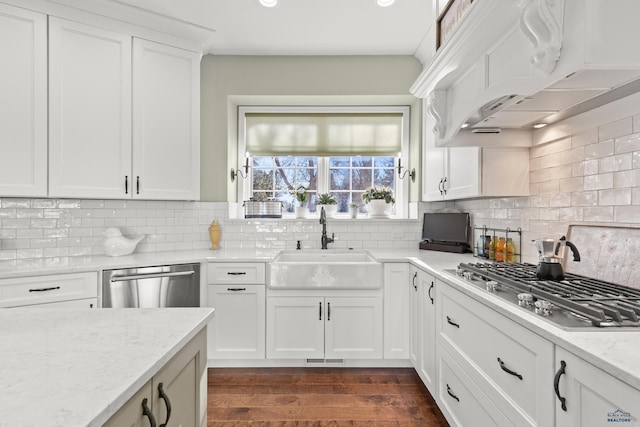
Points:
[303,27]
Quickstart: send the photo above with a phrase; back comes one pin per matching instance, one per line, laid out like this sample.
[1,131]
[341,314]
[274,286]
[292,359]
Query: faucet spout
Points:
[325,240]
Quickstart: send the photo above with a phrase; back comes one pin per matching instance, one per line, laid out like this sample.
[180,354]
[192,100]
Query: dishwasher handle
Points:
[151,276]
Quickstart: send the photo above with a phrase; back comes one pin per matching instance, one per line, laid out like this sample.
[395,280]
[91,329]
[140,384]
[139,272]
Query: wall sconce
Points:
[236,172]
[401,175]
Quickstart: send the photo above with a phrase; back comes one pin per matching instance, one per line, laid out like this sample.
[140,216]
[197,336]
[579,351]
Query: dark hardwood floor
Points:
[286,397]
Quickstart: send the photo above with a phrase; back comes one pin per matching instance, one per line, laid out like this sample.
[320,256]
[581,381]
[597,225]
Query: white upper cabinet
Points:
[23,102]
[89,110]
[166,122]
[462,172]
[101,93]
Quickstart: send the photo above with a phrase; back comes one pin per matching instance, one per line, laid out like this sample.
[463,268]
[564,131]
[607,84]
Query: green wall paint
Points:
[229,81]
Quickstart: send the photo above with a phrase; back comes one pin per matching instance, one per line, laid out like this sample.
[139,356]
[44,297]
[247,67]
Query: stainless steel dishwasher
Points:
[149,287]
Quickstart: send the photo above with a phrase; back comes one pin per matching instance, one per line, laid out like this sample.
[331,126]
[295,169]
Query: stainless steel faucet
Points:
[325,239]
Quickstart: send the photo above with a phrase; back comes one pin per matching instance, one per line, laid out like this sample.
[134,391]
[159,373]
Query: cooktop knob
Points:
[467,275]
[543,307]
[525,299]
[492,285]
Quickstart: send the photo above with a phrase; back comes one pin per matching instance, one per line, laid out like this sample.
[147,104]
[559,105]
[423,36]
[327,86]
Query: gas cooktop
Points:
[575,302]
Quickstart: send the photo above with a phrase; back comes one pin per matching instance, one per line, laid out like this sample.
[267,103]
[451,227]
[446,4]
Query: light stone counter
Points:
[77,367]
[616,352]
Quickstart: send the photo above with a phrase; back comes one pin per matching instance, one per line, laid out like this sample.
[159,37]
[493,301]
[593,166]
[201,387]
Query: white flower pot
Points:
[330,210]
[354,211]
[377,208]
[302,211]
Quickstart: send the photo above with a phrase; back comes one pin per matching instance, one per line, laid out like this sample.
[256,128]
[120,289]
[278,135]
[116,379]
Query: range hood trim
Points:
[495,19]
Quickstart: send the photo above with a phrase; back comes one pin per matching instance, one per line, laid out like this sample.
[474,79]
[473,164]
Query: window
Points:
[277,177]
[342,151]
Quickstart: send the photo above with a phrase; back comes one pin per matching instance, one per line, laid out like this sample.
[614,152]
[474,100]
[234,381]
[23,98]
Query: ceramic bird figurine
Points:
[115,244]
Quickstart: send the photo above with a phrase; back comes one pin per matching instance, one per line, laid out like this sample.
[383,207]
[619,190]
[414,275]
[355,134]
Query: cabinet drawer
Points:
[47,289]
[512,364]
[236,273]
[461,400]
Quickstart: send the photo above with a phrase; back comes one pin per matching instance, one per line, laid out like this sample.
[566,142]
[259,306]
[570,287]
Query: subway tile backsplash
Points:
[42,228]
[592,177]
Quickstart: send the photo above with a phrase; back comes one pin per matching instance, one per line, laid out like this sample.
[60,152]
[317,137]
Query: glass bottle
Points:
[480,247]
[510,249]
[492,248]
[500,248]
[487,244]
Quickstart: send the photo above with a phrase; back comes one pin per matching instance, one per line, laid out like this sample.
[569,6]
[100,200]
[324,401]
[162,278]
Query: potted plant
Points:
[377,200]
[329,202]
[353,209]
[302,210]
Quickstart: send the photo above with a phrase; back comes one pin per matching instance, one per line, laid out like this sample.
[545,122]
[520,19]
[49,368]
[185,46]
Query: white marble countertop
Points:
[613,351]
[77,367]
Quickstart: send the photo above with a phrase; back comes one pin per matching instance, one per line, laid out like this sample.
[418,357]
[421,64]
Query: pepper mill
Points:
[214,235]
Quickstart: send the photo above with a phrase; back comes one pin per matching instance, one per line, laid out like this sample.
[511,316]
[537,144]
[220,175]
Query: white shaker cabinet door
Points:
[90,111]
[586,396]
[353,328]
[166,122]
[23,102]
[463,173]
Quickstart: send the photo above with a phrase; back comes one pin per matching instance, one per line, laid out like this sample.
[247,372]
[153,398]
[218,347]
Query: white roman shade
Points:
[323,134]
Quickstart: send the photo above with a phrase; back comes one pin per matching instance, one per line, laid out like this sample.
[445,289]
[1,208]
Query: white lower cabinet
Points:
[180,385]
[61,290]
[589,397]
[236,291]
[414,318]
[396,316]
[510,364]
[461,400]
[324,327]
[237,330]
[427,314]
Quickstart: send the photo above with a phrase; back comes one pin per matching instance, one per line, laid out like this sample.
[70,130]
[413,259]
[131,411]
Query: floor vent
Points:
[325,361]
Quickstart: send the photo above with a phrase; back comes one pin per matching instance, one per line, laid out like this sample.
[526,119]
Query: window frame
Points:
[402,185]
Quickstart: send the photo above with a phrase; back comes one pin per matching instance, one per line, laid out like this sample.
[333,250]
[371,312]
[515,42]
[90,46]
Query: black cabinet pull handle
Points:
[137,185]
[320,310]
[328,311]
[451,393]
[126,184]
[452,323]
[167,403]
[147,413]
[236,273]
[429,292]
[507,370]
[53,288]
[236,289]
[413,281]
[440,186]
[444,189]
[556,385]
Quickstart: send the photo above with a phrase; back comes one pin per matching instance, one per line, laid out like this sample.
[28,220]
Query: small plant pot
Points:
[353,211]
[302,211]
[377,208]
[330,210]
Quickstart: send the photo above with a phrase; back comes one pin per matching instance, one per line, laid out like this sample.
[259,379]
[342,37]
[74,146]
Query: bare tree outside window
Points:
[277,177]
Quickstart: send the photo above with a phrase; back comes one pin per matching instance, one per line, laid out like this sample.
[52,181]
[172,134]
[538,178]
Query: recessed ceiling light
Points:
[539,125]
[464,125]
[385,3]
[268,3]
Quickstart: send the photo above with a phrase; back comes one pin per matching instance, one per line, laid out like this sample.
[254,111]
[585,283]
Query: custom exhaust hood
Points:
[512,65]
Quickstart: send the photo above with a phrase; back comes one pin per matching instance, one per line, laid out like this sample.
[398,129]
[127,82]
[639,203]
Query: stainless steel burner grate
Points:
[590,302]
